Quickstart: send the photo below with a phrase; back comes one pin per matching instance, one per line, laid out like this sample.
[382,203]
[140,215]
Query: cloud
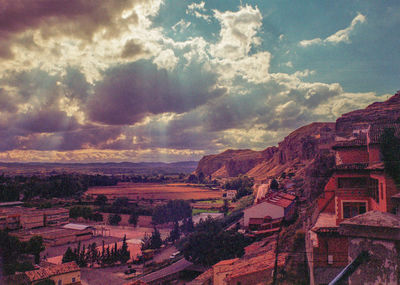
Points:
[128,93]
[339,36]
[197,10]
[76,18]
[238,32]
[133,49]
[181,25]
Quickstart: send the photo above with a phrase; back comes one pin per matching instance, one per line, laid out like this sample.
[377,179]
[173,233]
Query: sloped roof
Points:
[76,226]
[46,272]
[374,219]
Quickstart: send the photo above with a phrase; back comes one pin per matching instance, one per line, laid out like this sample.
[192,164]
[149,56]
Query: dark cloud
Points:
[132,49]
[6,102]
[130,92]
[79,18]
[76,84]
[46,121]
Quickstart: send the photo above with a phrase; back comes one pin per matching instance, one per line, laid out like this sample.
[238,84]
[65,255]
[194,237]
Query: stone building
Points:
[359,184]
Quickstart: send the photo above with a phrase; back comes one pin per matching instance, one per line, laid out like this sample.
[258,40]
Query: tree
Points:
[35,247]
[101,200]
[225,207]
[134,217]
[114,219]
[97,217]
[156,240]
[274,184]
[210,244]
[173,211]
[390,150]
[124,254]
[68,256]
[175,233]
[242,184]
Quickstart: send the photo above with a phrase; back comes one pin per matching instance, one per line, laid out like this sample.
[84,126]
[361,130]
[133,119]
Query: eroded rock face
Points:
[232,163]
[378,112]
[302,144]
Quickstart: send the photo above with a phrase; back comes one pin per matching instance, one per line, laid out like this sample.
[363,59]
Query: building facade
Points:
[359,184]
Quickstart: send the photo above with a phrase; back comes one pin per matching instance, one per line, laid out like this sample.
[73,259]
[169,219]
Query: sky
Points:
[173,80]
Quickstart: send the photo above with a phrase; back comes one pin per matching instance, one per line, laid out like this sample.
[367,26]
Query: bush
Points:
[114,219]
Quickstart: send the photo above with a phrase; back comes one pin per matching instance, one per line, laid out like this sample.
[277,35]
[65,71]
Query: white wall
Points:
[261,210]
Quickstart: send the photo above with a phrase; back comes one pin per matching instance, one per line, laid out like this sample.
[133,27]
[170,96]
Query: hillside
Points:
[305,154]
[297,148]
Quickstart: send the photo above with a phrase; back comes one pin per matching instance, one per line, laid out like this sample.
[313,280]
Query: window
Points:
[330,259]
[352,182]
[73,279]
[59,282]
[374,190]
[351,209]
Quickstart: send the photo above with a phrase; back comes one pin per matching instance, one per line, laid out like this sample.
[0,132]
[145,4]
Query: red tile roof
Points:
[46,272]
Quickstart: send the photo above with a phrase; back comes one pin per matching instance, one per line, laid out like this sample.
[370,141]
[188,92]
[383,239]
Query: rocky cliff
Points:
[305,154]
[300,147]
[377,112]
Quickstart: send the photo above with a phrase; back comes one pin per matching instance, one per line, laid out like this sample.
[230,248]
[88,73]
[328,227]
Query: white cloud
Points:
[197,10]
[238,32]
[339,36]
[181,25]
[166,59]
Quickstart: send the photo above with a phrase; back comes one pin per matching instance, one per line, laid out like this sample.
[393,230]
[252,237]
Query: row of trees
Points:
[63,185]
[91,255]
[84,212]
[173,211]
[12,248]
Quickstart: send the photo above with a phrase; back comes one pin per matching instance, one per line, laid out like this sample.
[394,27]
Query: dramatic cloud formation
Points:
[136,80]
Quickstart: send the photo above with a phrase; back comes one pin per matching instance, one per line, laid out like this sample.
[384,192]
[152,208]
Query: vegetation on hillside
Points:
[63,185]
[390,150]
[209,243]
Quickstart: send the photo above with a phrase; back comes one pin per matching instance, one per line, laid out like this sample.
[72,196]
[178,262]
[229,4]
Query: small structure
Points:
[204,216]
[275,207]
[53,236]
[65,274]
[378,234]
[229,194]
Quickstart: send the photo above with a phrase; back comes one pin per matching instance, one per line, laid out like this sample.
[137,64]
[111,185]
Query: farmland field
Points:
[155,191]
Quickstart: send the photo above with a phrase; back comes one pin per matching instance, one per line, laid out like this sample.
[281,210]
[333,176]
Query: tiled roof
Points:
[279,198]
[46,272]
[375,219]
[256,264]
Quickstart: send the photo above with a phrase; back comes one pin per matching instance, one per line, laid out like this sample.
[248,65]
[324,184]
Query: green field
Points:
[198,211]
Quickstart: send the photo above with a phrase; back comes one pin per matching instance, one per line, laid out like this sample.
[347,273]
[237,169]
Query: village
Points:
[352,223]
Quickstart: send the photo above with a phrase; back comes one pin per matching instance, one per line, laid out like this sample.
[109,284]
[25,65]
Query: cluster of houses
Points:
[353,235]
[52,224]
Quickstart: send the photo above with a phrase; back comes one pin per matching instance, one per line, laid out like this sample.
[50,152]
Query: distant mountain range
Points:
[116,168]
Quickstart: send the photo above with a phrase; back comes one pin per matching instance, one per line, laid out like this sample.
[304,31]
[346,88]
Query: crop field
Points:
[155,191]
